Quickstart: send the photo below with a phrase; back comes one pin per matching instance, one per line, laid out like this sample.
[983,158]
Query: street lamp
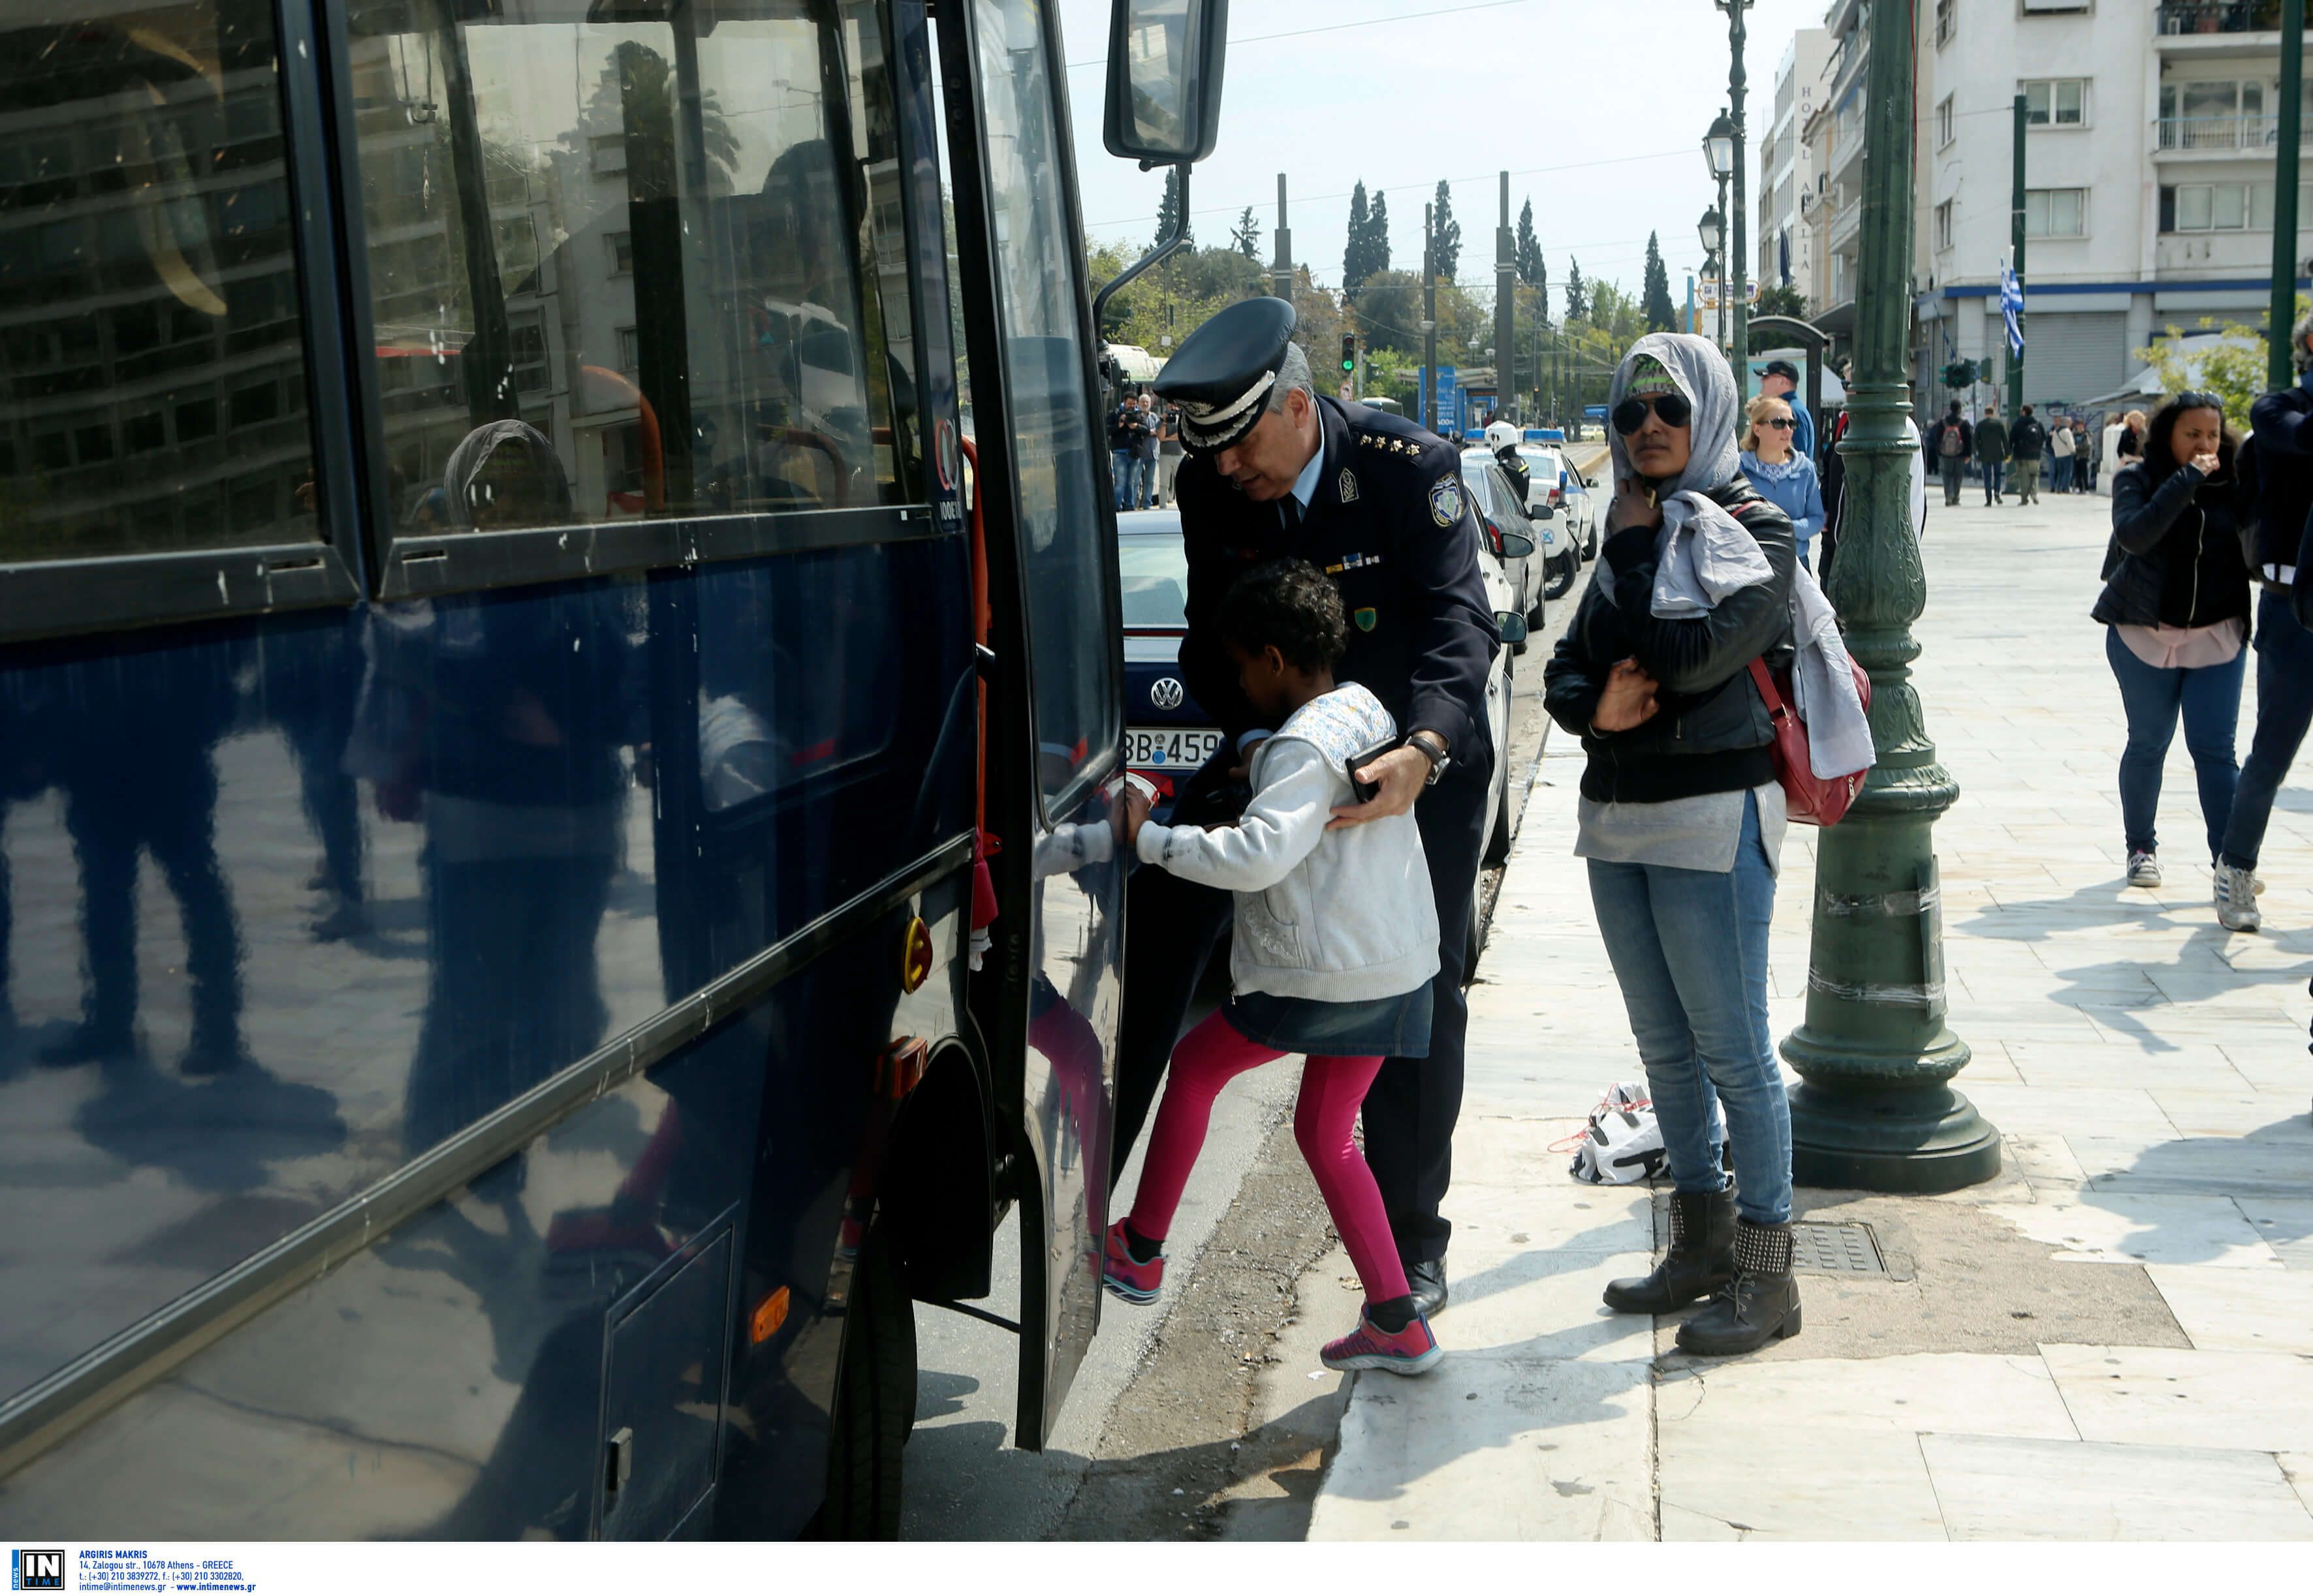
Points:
[1711,229]
[1876,1110]
[1719,148]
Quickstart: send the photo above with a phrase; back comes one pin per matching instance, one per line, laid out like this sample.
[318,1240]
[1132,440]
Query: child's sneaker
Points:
[1135,1281]
[1414,1350]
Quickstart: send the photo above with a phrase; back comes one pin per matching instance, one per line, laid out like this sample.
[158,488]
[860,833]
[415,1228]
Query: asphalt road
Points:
[1148,1409]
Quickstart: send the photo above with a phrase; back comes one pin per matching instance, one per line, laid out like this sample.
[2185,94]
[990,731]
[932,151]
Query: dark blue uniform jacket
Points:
[1391,523]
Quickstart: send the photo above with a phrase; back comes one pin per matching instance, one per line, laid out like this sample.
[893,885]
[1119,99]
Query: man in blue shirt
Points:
[1780,379]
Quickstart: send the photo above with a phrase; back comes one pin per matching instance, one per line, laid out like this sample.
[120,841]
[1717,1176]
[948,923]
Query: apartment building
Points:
[2149,164]
[1787,168]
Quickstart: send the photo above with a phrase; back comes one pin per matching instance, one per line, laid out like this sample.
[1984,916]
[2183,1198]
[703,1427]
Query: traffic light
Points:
[1348,353]
[1960,373]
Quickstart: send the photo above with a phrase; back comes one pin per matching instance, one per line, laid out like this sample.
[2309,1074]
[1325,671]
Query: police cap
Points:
[1222,375]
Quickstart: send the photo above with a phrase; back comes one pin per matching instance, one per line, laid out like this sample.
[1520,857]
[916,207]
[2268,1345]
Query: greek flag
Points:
[2011,308]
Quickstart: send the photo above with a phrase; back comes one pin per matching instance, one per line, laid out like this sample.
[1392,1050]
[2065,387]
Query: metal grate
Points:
[1836,1249]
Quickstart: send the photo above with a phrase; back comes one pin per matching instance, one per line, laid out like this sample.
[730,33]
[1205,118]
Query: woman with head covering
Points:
[1681,821]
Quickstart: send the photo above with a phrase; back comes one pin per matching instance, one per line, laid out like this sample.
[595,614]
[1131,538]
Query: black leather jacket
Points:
[1712,734]
[2174,558]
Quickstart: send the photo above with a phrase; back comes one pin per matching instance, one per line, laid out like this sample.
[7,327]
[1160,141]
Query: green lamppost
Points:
[1876,1110]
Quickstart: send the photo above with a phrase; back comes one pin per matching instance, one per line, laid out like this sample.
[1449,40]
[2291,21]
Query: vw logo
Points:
[1168,694]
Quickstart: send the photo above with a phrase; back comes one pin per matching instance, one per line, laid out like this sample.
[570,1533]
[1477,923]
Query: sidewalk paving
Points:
[2112,1339]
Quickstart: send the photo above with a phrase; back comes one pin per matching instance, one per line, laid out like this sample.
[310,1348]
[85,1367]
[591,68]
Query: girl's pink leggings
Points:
[1208,1058]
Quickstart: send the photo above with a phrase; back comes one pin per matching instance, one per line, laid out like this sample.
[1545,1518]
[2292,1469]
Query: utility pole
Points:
[1740,287]
[1428,318]
[1282,269]
[1504,307]
[1876,1110]
[2280,369]
[2016,249]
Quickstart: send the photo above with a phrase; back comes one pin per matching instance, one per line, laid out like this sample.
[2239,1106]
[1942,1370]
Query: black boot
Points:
[1758,1305]
[1700,1259]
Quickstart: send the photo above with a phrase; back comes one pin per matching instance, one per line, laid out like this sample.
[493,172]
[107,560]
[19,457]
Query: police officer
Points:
[1503,438]
[1272,469]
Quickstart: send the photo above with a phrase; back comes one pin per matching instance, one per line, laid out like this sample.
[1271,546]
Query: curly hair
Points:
[1288,605]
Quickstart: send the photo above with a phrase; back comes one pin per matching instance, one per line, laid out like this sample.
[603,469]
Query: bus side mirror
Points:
[1164,64]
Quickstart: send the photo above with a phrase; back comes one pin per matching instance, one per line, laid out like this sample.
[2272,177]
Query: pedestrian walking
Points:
[1992,453]
[2026,439]
[1336,949]
[2060,447]
[1168,454]
[2176,607]
[1951,441]
[2278,481]
[1681,821]
[1273,470]
[1150,454]
[1785,478]
[1124,426]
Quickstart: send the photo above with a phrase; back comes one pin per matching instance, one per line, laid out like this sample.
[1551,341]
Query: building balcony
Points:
[1843,225]
[2218,133]
[2218,28]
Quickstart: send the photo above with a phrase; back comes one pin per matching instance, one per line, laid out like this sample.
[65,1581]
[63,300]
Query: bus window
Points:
[155,392]
[1060,483]
[661,243]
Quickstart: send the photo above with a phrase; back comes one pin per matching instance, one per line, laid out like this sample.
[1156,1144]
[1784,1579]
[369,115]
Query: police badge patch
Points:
[1349,486]
[1365,619]
[1446,501]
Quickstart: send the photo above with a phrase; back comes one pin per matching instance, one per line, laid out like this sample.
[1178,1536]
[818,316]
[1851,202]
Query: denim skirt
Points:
[1372,1028]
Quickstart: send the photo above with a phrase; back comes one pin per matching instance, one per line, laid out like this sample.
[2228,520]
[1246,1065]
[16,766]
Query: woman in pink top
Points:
[2176,607]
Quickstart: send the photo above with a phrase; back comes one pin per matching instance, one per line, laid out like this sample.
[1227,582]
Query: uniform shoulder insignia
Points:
[1349,486]
[1446,501]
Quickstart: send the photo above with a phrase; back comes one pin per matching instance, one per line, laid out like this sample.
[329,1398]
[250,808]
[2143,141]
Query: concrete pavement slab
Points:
[2012,1395]
[2240,1310]
[2124,1227]
[2003,1488]
[2298,1466]
[2285,1223]
[2260,1401]
[1494,1448]
[1788,1482]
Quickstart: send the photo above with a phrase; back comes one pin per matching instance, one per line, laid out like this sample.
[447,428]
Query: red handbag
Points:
[1807,798]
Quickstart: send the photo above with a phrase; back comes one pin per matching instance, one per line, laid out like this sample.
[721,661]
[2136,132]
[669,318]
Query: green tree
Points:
[2231,367]
[1783,300]
[1530,268]
[1378,234]
[1542,289]
[1244,238]
[1354,269]
[1655,291]
[1578,300]
[1448,232]
[1168,209]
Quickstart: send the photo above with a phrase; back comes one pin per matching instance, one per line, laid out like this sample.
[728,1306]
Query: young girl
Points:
[1336,944]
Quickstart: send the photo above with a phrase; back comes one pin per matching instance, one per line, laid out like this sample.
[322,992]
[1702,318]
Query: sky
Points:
[1597,110]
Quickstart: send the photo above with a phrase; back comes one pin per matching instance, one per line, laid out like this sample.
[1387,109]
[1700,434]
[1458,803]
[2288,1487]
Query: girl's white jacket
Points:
[1339,916]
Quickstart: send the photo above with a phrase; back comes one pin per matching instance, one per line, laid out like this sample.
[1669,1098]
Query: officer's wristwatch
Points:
[1438,757]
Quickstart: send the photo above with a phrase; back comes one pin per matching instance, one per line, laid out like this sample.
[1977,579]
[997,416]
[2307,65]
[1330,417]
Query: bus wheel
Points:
[875,1403]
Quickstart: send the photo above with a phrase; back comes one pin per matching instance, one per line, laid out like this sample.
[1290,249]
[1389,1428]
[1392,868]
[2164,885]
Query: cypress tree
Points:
[1355,267]
[1448,234]
[1578,300]
[1530,269]
[1655,296]
[1378,234]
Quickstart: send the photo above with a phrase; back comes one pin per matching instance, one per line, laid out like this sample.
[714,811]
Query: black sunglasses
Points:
[1631,414]
[1780,423]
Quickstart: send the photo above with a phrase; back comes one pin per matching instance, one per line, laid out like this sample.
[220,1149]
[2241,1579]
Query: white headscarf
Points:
[1702,553]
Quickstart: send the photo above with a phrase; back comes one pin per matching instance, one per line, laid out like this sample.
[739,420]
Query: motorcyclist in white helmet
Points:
[1503,438]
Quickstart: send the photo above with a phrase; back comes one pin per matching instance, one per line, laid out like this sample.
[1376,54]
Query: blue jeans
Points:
[1992,469]
[2063,473]
[2209,697]
[1121,463]
[2284,707]
[1144,481]
[1700,1017]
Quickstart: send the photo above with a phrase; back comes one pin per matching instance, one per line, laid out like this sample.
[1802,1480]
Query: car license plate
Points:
[1169,747]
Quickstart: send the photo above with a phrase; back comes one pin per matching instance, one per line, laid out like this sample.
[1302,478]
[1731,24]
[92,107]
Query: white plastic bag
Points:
[1624,1144]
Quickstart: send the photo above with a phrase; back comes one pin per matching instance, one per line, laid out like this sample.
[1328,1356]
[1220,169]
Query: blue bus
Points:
[557,839]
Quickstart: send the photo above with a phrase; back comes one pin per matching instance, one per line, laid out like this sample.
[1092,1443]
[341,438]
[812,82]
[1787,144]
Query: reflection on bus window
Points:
[1058,480]
[670,247]
[156,390]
